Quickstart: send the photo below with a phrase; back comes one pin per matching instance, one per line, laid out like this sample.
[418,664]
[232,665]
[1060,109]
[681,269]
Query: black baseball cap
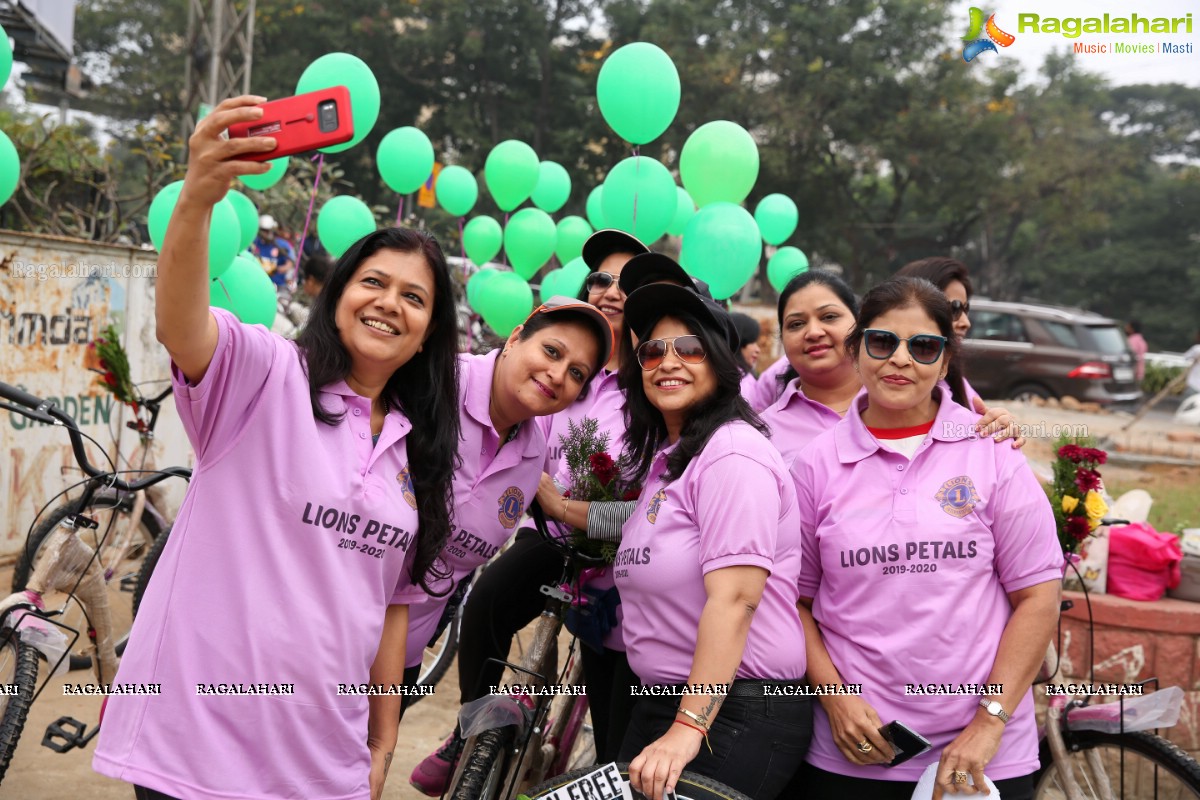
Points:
[559,304]
[747,328]
[643,270]
[602,244]
[646,306]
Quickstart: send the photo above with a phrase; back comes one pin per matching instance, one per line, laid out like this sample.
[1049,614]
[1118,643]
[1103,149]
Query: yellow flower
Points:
[1069,503]
[1096,507]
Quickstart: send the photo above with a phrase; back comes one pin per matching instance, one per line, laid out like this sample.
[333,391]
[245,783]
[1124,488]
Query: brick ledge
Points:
[1167,615]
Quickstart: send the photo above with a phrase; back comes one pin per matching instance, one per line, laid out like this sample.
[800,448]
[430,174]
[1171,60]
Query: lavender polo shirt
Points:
[767,388]
[491,489]
[288,548]
[734,505]
[909,564]
[795,420]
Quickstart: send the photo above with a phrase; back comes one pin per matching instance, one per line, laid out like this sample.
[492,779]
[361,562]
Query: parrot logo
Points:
[994,36]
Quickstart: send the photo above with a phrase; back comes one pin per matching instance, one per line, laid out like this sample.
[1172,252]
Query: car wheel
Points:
[1027,391]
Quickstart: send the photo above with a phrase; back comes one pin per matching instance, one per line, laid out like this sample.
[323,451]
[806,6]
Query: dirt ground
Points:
[37,773]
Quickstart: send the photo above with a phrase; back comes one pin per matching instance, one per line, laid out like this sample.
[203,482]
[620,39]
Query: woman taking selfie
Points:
[708,562]
[318,507]
[930,557]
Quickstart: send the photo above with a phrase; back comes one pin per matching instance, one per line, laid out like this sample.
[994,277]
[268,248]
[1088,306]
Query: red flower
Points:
[1092,454]
[1087,479]
[110,379]
[603,467]
[1078,528]
[632,493]
[1071,452]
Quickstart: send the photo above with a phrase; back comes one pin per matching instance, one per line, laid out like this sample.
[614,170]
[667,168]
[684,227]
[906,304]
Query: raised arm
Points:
[184,325]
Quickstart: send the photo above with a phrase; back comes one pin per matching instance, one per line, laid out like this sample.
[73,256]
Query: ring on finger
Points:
[864,746]
[958,777]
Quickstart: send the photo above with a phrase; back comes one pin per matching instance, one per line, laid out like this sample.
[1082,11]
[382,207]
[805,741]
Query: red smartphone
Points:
[300,123]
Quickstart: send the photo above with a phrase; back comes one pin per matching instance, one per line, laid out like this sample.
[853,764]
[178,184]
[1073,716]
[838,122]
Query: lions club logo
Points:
[406,486]
[958,496]
[655,502]
[512,505]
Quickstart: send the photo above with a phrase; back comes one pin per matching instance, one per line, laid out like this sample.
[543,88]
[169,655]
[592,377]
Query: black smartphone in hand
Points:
[906,743]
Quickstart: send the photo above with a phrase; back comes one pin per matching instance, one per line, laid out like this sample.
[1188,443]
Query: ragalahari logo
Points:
[975,44]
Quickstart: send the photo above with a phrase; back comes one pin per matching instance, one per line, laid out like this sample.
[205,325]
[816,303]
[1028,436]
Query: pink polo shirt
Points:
[734,505]
[749,387]
[491,489]
[287,550]
[795,420]
[767,387]
[909,564]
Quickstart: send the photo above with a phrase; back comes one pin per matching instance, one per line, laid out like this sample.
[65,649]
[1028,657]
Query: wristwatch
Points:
[994,708]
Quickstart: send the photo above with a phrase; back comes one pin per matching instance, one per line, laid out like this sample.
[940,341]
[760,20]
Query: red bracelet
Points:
[698,729]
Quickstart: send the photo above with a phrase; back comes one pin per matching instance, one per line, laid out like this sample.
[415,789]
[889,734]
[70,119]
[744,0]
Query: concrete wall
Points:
[56,295]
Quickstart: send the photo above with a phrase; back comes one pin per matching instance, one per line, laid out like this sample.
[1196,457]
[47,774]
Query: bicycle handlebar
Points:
[41,410]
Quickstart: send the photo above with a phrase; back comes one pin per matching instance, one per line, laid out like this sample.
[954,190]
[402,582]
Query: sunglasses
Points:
[958,308]
[925,348]
[688,349]
[599,281]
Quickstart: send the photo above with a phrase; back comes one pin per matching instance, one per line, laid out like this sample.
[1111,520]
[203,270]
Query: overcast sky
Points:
[1031,49]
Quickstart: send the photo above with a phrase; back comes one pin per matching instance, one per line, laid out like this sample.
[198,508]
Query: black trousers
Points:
[142,793]
[817,784]
[758,743]
[505,598]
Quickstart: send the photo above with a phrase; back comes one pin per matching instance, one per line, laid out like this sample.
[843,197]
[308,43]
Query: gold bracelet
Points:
[565,500]
[699,719]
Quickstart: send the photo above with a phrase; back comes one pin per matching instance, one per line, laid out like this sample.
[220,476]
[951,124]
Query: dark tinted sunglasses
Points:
[958,308]
[925,348]
[688,349]
[599,281]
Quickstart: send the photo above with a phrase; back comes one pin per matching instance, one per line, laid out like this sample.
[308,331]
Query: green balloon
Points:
[10,162]
[684,209]
[6,57]
[405,159]
[246,290]
[482,238]
[553,187]
[247,214]
[719,162]
[529,241]
[507,301]
[343,69]
[224,230]
[722,246]
[342,222]
[456,190]
[511,173]
[161,208]
[638,91]
[269,178]
[787,263]
[639,198]
[776,216]
[573,275]
[595,208]
[476,284]
[550,284]
[572,233]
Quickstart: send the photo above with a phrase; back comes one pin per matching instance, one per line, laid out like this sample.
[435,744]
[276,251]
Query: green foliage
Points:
[1157,377]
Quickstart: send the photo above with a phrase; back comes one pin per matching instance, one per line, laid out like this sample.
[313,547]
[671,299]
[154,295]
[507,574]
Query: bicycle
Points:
[64,564]
[544,735]
[1078,764]
[134,523]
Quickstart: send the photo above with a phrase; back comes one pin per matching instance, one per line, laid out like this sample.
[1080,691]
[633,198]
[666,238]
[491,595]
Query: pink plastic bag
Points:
[1142,563]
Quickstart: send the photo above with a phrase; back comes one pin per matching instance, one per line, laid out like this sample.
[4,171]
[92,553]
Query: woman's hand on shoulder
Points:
[855,727]
[213,160]
[997,422]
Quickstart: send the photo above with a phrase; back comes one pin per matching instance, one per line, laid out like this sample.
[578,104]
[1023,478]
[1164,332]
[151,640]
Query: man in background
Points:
[276,254]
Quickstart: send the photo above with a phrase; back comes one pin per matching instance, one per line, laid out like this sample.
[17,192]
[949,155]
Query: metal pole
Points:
[249,49]
[218,56]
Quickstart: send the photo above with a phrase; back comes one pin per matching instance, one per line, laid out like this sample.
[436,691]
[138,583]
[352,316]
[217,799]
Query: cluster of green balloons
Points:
[246,290]
[228,227]
[566,281]
[504,299]
[10,162]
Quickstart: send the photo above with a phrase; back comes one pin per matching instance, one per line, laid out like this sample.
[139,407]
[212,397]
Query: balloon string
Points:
[463,245]
[400,212]
[320,159]
[637,169]
[504,256]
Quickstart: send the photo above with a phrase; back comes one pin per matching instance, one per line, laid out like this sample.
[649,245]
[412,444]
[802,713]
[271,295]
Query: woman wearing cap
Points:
[320,500]
[816,313]
[545,365]
[708,562]
[930,558]
[506,597]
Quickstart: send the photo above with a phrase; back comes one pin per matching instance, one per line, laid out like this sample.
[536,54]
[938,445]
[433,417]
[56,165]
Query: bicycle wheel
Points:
[125,548]
[147,568]
[689,787]
[439,655]
[1128,765]
[19,668]
[482,766]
